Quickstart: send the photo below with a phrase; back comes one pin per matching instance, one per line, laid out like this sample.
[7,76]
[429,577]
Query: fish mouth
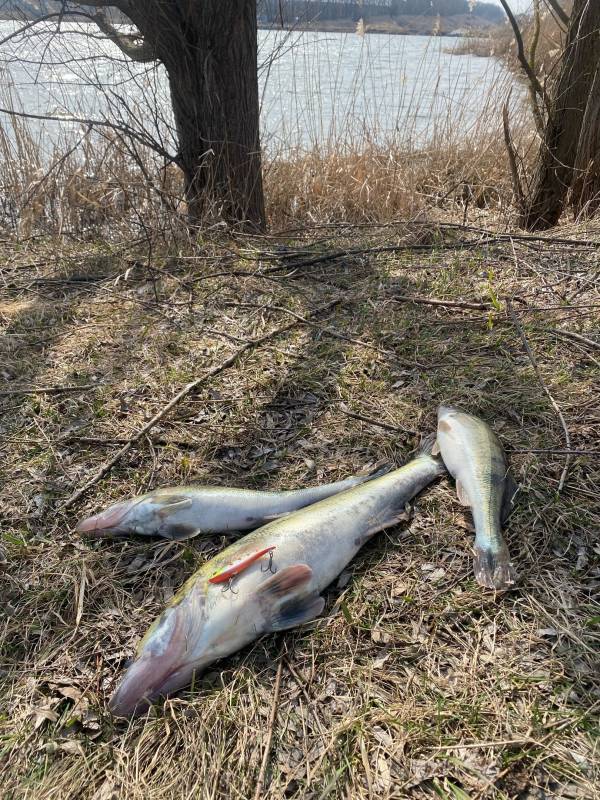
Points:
[444,411]
[146,680]
[110,521]
[169,656]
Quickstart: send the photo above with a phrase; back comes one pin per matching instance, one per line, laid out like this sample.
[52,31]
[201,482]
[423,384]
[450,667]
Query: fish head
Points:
[449,420]
[201,624]
[161,513]
[449,437]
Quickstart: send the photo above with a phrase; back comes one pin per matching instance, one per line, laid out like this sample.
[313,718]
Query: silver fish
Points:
[186,511]
[306,550]
[474,457]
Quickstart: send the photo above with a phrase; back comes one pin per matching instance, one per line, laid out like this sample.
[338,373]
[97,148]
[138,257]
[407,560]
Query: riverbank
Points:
[403,25]
[415,682]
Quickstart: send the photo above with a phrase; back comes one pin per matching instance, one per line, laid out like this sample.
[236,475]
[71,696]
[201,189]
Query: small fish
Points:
[227,574]
[474,457]
[186,511]
[202,623]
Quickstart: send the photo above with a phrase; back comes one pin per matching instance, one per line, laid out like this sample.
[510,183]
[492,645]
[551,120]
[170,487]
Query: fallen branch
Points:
[250,345]
[577,337]
[50,389]
[555,451]
[386,426]
[555,405]
[263,767]
[392,248]
[443,303]
[333,333]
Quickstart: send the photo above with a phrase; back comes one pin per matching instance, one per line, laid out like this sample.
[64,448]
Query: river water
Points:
[317,89]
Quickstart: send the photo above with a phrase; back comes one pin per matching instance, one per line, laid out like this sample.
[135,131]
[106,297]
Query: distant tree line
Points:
[447,8]
[289,10]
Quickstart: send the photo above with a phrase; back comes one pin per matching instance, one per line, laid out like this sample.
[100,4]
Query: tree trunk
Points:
[554,169]
[585,196]
[209,50]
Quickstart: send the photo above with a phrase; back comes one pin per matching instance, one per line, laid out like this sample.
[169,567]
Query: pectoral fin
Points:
[511,487]
[285,601]
[180,532]
[296,612]
[289,580]
[463,498]
[172,503]
[435,448]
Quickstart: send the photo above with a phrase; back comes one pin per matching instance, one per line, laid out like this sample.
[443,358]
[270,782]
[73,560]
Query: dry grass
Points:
[415,683]
[98,187]
[500,42]
[378,183]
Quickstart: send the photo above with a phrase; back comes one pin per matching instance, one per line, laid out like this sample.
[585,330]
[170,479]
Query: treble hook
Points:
[269,567]
[229,586]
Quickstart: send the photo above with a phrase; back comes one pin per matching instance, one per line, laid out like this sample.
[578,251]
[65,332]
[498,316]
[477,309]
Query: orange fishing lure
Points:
[230,572]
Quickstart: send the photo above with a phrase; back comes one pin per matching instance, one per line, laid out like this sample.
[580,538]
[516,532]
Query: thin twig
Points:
[555,451]
[555,405]
[370,421]
[250,345]
[443,303]
[50,389]
[263,767]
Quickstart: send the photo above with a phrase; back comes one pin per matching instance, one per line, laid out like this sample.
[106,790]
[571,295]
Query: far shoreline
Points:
[455,26]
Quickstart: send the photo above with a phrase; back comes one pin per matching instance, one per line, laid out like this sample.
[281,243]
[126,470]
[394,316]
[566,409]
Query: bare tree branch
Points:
[560,13]
[133,45]
[512,158]
[144,139]
[122,5]
[535,84]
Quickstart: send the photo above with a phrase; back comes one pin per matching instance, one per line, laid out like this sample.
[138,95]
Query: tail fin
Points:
[493,568]
[425,449]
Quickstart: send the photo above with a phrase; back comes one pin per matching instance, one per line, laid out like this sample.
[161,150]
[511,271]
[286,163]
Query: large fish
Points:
[475,458]
[208,619]
[185,511]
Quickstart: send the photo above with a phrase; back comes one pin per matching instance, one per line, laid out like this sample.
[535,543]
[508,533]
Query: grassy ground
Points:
[415,682]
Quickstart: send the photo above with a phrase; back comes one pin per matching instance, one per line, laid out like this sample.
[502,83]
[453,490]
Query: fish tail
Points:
[425,449]
[493,568]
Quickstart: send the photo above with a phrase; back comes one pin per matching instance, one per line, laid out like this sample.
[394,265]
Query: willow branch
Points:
[122,5]
[146,140]
[132,45]
[536,86]
[559,11]
[512,158]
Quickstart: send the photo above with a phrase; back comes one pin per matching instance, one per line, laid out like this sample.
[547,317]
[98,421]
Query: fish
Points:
[476,460]
[183,512]
[205,622]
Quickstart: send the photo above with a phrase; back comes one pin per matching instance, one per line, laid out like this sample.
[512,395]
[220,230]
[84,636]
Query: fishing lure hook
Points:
[229,586]
[269,567]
